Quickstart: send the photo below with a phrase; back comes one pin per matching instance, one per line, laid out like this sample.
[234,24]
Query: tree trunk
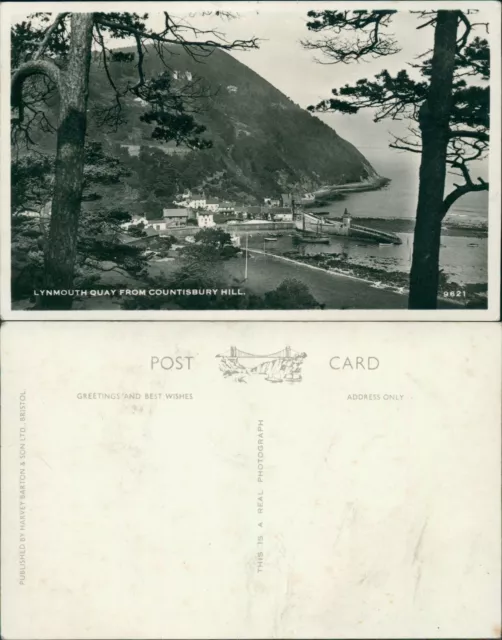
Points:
[69,168]
[434,126]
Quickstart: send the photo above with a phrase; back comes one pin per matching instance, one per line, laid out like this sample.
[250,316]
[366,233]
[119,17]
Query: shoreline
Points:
[392,281]
[337,272]
[373,184]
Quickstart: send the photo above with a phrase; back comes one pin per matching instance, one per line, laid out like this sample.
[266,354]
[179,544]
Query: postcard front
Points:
[255,160]
[250,480]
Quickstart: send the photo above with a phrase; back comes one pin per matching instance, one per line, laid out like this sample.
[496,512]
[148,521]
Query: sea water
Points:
[399,198]
[464,259]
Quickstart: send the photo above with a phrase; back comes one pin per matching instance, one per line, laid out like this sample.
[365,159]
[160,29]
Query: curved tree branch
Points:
[32,67]
[461,190]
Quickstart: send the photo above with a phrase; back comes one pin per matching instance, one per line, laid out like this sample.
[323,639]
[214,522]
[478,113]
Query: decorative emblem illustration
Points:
[282,366]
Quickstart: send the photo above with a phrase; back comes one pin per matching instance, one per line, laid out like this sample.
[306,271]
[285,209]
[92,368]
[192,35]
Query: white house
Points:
[212,204]
[196,201]
[205,220]
[31,213]
[182,75]
[158,225]
[135,220]
[132,149]
[282,214]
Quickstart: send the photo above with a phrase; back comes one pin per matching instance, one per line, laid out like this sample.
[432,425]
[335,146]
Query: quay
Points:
[309,222]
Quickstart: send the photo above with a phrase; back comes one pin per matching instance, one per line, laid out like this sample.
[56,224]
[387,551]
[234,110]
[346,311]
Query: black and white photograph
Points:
[298,159]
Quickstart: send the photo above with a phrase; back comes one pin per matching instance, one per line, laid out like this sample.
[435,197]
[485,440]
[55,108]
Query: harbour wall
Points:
[258,226]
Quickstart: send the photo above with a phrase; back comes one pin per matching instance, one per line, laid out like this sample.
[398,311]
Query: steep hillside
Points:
[262,141]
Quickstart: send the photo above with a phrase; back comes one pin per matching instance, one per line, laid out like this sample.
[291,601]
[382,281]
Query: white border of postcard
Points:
[494,212]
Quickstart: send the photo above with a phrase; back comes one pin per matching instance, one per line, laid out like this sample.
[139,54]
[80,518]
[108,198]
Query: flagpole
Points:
[246,268]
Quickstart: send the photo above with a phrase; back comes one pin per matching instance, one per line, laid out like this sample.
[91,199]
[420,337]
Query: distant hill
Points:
[263,143]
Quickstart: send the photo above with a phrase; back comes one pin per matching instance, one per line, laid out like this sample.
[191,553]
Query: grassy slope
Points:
[262,141]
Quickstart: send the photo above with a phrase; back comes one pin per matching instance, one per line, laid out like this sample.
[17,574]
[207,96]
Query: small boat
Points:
[314,239]
[314,203]
[270,239]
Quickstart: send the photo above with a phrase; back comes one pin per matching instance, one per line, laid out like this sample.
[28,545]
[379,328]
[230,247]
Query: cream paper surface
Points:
[373,494]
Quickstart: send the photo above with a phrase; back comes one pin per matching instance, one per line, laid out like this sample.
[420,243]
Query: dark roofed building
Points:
[175,217]
[254,210]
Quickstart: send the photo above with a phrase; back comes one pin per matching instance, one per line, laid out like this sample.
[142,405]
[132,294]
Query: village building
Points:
[254,211]
[287,200]
[205,220]
[196,201]
[156,225]
[31,213]
[136,219]
[172,218]
[307,198]
[226,207]
[182,75]
[212,204]
[132,149]
[282,214]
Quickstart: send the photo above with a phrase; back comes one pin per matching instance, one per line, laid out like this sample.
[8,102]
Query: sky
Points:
[283,61]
